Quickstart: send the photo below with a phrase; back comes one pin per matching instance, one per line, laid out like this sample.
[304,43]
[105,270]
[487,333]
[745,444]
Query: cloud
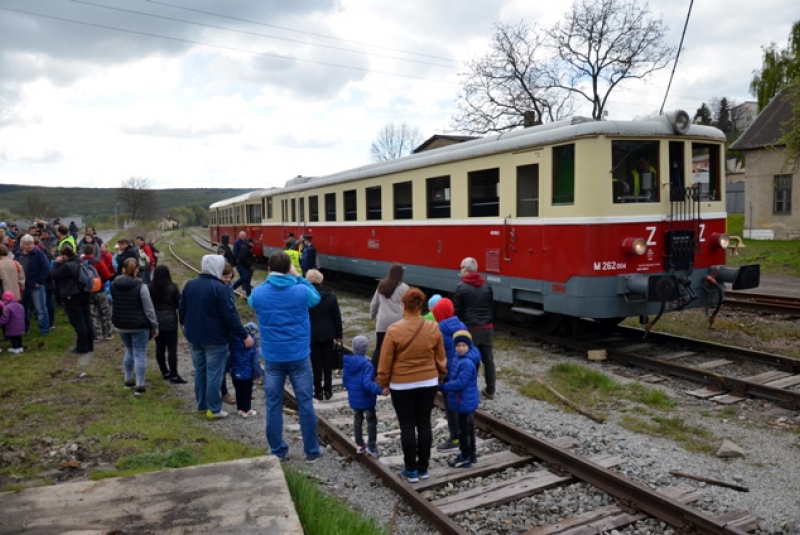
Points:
[48,157]
[292,142]
[160,129]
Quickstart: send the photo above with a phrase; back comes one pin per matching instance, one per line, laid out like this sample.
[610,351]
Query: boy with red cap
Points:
[448,324]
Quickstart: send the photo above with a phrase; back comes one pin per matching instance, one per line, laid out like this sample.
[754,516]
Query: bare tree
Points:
[35,207]
[602,43]
[510,86]
[394,141]
[140,200]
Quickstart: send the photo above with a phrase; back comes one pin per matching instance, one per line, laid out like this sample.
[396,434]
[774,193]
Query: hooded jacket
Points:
[281,304]
[462,386]
[473,301]
[245,362]
[12,319]
[326,318]
[357,378]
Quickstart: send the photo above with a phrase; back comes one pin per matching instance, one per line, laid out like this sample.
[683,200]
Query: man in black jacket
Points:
[77,303]
[244,266]
[126,250]
[473,302]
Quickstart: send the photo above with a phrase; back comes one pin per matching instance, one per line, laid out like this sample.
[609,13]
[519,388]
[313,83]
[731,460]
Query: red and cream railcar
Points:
[241,213]
[583,218]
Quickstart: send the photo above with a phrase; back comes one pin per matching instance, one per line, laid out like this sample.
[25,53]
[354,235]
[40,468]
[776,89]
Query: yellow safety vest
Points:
[295,256]
[637,179]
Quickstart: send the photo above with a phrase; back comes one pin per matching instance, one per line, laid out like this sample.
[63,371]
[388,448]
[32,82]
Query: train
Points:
[575,218]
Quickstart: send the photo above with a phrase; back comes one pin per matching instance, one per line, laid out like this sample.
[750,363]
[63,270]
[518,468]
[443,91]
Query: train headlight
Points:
[680,121]
[721,240]
[634,246]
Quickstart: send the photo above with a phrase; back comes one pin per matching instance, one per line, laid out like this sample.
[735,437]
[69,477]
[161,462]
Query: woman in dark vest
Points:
[166,296]
[135,319]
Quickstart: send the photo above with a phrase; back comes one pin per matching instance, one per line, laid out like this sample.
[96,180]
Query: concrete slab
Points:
[244,496]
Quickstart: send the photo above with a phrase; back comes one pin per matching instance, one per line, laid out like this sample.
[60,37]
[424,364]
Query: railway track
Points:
[544,465]
[763,303]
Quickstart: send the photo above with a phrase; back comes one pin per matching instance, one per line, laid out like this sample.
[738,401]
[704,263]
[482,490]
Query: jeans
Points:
[79,312]
[482,339]
[299,372]
[245,275]
[372,426]
[322,367]
[209,366]
[135,355]
[34,300]
[413,408]
[167,342]
[146,276]
[466,436]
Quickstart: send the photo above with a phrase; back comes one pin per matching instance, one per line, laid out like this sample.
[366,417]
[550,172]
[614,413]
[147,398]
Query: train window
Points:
[313,208]
[302,209]
[484,197]
[706,171]
[564,174]
[374,203]
[528,190]
[284,211]
[634,171]
[677,186]
[238,212]
[350,205]
[330,207]
[294,210]
[402,201]
[438,197]
[254,213]
[269,207]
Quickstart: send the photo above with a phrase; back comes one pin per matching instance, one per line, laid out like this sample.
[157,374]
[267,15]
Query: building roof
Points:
[436,137]
[767,130]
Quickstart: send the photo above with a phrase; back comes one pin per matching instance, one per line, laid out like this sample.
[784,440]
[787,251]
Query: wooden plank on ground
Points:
[652,378]
[513,489]
[677,355]
[705,393]
[487,464]
[740,520]
[766,377]
[786,382]
[727,399]
[635,347]
[711,364]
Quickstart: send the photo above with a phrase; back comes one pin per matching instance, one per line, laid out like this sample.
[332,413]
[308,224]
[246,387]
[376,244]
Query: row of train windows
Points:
[235,216]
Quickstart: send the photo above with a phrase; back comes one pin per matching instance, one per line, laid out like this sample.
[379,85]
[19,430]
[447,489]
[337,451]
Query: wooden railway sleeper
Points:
[628,505]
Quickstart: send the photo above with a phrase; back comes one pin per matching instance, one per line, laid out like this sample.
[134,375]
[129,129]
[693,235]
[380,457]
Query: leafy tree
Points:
[779,67]
[140,200]
[36,207]
[792,135]
[703,115]
[602,43]
[511,86]
[394,141]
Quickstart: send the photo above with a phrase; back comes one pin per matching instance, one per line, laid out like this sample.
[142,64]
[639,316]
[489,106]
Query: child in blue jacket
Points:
[244,365]
[461,388]
[358,377]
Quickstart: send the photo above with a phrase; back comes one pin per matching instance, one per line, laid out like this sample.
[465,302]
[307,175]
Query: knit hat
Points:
[443,309]
[360,345]
[3,225]
[433,300]
[462,336]
[251,328]
[7,296]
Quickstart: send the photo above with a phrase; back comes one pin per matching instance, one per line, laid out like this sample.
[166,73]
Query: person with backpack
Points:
[147,261]
[77,302]
[166,297]
[101,311]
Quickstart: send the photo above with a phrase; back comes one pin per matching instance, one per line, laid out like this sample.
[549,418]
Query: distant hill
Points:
[93,202]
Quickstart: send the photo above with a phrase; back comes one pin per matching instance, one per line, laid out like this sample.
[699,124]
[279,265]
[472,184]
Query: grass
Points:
[691,438]
[775,257]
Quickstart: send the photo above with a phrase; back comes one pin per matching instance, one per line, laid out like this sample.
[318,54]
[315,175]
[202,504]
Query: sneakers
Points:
[216,415]
[423,474]
[486,394]
[229,399]
[459,462]
[247,414]
[448,446]
[16,350]
[412,476]
[139,391]
[177,379]
[130,384]
[311,459]
[373,451]
[165,376]
[361,448]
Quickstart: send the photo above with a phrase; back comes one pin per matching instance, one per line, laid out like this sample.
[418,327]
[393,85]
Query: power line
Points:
[222,47]
[674,65]
[288,39]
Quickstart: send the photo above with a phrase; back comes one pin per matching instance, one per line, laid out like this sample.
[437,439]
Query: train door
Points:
[523,238]
[484,201]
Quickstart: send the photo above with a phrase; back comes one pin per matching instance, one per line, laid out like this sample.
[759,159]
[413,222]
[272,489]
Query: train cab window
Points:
[313,208]
[254,213]
[294,210]
[302,209]
[528,190]
[484,197]
[350,206]
[284,211]
[374,203]
[706,171]
[438,197]
[634,172]
[269,207]
[330,207]
[402,201]
[564,174]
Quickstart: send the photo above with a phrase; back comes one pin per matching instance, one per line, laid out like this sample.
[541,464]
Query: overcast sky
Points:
[249,93]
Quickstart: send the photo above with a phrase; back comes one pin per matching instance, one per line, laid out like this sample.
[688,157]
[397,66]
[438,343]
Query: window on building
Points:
[402,201]
[438,191]
[313,208]
[528,190]
[330,207]
[374,203]
[350,206]
[564,174]
[706,170]
[783,195]
[634,171]
[484,195]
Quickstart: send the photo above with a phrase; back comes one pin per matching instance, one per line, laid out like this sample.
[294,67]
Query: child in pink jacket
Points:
[12,321]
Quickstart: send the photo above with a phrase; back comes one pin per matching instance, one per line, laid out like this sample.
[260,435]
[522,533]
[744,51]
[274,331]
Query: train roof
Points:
[255,196]
[520,139]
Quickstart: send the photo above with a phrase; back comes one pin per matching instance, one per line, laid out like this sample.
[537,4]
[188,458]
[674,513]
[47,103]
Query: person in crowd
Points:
[155,252]
[293,244]
[101,311]
[88,239]
[209,319]
[6,231]
[358,378]
[282,304]
[90,231]
[37,269]
[12,276]
[473,301]
[386,306]
[73,231]
[245,262]
[166,297]
[308,258]
[294,255]
[108,259]
[412,365]
[431,303]
[148,270]
[12,321]
[63,236]
[227,252]
[50,286]
[135,320]
[126,250]
[326,331]
[461,390]
[244,364]
[237,245]
[47,240]
[77,303]
[227,277]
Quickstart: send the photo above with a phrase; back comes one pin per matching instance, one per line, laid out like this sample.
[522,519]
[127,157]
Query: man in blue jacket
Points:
[37,268]
[209,320]
[282,304]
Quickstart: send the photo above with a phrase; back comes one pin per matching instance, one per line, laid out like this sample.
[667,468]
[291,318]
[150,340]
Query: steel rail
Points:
[771,304]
